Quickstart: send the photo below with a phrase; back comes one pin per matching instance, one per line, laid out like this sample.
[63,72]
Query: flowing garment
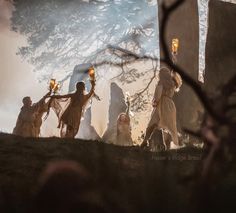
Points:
[69,110]
[164,114]
[26,121]
[164,111]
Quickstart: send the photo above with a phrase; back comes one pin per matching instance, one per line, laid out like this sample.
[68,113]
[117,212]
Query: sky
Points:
[16,77]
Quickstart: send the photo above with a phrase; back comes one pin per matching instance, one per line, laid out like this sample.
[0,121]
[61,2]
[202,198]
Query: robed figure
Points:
[70,113]
[29,119]
[123,136]
[164,111]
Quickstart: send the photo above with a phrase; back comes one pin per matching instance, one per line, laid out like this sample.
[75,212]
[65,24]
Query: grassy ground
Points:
[131,179]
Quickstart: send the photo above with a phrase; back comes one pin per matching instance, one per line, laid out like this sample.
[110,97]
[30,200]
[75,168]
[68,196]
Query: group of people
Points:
[29,120]
[69,110]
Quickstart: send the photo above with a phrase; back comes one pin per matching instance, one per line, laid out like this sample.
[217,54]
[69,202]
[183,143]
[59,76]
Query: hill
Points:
[130,179]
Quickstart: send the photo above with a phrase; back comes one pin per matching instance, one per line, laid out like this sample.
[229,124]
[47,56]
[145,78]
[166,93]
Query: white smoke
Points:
[5,14]
[16,77]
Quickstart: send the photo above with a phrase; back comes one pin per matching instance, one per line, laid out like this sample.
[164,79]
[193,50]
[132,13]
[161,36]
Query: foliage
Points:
[63,33]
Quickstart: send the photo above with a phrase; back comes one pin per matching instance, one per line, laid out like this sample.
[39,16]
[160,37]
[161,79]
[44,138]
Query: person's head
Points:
[123,118]
[165,78]
[27,101]
[164,74]
[66,186]
[80,86]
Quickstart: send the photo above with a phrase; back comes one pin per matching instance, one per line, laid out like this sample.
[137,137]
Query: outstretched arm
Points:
[61,96]
[41,101]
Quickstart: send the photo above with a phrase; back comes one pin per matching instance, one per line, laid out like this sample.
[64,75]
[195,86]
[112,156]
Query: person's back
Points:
[25,122]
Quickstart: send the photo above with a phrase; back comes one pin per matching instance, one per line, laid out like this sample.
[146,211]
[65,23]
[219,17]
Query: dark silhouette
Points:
[71,116]
[29,120]
[66,187]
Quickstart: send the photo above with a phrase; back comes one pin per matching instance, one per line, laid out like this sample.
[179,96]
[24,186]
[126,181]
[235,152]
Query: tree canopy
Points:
[63,33]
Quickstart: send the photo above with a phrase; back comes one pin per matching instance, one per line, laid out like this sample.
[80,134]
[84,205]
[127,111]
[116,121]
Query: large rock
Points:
[80,73]
[221,45]
[117,106]
[86,130]
[183,24]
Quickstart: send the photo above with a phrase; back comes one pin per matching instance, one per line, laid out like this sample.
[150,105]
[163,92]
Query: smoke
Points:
[5,14]
[16,77]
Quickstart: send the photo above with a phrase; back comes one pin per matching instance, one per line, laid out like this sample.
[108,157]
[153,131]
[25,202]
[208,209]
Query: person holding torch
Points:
[164,111]
[29,119]
[69,118]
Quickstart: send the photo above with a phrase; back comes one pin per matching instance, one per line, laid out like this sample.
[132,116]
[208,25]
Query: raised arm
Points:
[128,107]
[91,92]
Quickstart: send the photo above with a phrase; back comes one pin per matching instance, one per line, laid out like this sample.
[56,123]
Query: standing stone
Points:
[184,25]
[221,44]
[80,73]
[86,130]
[117,106]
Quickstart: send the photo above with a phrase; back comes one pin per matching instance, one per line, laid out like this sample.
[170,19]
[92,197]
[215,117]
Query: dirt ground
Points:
[128,179]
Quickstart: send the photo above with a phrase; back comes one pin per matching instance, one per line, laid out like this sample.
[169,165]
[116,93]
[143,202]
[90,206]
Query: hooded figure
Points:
[71,116]
[164,111]
[28,122]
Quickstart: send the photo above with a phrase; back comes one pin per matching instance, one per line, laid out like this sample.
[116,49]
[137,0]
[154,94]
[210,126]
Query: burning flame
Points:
[54,86]
[91,73]
[175,45]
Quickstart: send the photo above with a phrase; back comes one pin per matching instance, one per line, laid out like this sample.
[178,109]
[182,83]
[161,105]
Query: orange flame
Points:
[53,85]
[56,87]
[175,45]
[91,73]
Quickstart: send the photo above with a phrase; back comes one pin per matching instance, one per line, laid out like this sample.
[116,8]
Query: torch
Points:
[91,73]
[175,47]
[54,86]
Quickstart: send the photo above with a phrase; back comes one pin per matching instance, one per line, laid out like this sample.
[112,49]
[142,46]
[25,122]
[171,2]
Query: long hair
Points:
[127,118]
[178,80]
